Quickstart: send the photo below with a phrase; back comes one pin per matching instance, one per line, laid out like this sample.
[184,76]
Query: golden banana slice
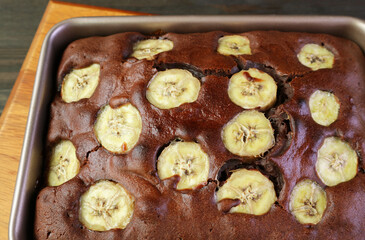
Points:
[252,89]
[324,107]
[106,205]
[172,88]
[118,130]
[64,164]
[187,160]
[248,134]
[336,162]
[308,201]
[234,45]
[316,57]
[80,83]
[255,192]
[147,49]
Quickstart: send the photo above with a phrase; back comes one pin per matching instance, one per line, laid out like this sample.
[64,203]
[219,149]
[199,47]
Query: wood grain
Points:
[15,113]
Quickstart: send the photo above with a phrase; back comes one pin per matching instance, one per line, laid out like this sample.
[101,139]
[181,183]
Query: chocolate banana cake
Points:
[255,135]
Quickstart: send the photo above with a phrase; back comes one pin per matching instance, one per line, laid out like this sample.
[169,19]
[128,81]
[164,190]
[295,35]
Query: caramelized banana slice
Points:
[118,130]
[308,201]
[255,192]
[105,206]
[147,49]
[316,57]
[324,107]
[187,160]
[64,164]
[234,45]
[248,134]
[252,89]
[80,83]
[172,88]
[336,162]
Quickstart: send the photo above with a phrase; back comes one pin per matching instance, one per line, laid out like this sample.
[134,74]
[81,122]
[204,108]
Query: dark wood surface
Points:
[19,20]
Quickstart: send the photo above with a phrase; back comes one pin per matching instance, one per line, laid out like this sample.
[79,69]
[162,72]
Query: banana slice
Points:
[234,45]
[316,57]
[255,192]
[80,83]
[118,130]
[324,107]
[147,49]
[106,205]
[252,89]
[172,88]
[187,160]
[336,162]
[308,201]
[248,134]
[64,164]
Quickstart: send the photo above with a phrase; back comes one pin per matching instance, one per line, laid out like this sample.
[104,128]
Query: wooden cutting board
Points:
[14,116]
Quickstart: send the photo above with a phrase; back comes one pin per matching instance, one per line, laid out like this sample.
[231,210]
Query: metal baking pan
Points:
[22,214]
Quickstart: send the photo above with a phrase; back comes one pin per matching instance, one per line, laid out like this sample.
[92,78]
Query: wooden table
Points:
[14,117]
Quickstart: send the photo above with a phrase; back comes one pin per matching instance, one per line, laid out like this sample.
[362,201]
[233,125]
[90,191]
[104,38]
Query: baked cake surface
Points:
[161,211]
